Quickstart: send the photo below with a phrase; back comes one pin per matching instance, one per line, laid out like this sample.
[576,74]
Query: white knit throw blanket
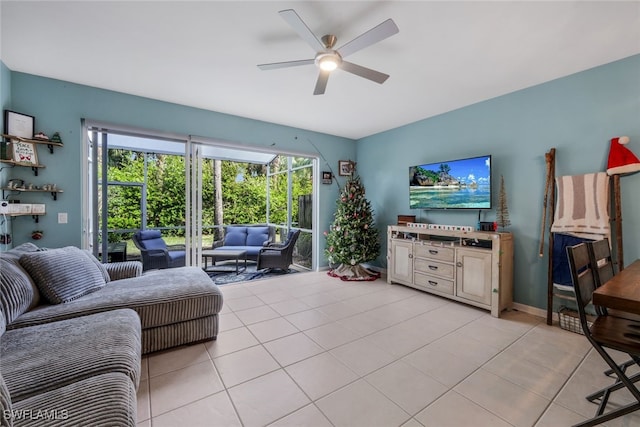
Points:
[582,205]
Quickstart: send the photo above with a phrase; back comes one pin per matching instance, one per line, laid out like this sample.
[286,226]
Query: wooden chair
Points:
[602,261]
[606,332]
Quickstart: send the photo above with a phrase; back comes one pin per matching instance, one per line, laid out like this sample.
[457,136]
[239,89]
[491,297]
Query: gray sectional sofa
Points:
[72,332]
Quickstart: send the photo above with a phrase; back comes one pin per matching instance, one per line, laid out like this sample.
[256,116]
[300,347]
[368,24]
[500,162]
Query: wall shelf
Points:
[49,144]
[36,217]
[33,167]
[54,193]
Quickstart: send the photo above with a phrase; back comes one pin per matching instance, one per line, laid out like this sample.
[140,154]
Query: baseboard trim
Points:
[535,311]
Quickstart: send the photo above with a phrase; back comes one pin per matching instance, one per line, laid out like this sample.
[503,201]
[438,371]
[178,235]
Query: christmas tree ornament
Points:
[56,138]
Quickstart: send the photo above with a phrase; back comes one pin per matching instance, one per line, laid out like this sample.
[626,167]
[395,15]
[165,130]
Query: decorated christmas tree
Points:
[503,211]
[352,238]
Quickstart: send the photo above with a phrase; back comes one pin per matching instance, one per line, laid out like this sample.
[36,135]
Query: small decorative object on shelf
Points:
[56,138]
[37,234]
[41,136]
[503,211]
[24,153]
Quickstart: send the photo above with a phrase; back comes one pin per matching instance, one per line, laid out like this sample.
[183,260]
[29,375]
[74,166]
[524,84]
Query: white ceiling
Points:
[204,54]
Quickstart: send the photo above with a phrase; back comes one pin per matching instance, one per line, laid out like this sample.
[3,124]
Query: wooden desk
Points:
[622,292]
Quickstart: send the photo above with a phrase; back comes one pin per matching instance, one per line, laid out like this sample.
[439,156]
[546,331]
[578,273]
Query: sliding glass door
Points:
[189,188]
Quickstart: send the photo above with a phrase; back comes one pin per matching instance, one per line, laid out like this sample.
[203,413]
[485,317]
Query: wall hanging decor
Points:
[18,124]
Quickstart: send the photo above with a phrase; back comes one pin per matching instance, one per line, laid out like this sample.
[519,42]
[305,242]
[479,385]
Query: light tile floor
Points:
[311,350]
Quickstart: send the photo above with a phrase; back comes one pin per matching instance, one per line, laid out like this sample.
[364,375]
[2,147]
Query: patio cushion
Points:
[174,255]
[257,236]
[63,274]
[151,239]
[235,236]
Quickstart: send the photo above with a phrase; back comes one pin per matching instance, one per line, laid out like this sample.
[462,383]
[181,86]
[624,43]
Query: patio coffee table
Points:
[224,254]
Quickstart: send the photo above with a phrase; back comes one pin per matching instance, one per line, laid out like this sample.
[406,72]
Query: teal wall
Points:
[5,103]
[5,91]
[577,115]
[60,106]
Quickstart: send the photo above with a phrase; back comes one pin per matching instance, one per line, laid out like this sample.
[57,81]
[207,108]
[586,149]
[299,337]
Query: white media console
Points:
[474,267]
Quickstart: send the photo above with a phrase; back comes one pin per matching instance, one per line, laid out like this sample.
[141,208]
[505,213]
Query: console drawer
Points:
[433,283]
[434,252]
[433,267]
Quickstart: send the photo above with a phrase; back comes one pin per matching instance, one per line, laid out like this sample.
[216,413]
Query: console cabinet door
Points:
[473,275]
[402,262]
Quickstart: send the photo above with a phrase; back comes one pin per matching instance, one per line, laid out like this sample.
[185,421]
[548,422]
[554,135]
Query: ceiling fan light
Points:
[328,61]
[328,64]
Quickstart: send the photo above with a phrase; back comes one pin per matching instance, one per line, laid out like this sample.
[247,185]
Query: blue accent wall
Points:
[59,106]
[5,91]
[578,115]
[5,103]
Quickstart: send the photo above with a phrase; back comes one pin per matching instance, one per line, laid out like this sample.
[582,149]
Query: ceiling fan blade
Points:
[321,83]
[276,65]
[374,35]
[301,28]
[365,72]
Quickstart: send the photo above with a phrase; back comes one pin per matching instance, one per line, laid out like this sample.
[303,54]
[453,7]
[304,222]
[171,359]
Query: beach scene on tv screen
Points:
[456,184]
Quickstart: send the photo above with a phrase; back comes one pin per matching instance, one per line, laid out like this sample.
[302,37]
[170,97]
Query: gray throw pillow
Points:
[17,292]
[101,267]
[63,274]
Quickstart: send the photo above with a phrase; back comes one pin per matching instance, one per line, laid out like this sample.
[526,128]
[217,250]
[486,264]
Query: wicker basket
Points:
[570,320]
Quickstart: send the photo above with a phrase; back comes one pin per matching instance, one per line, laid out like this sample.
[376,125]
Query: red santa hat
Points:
[621,159]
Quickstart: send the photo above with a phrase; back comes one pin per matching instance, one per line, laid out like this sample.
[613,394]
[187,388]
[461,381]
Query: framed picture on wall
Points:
[18,124]
[24,153]
[326,177]
[345,167]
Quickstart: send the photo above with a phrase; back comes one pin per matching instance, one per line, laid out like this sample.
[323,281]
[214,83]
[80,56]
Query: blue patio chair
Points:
[155,252]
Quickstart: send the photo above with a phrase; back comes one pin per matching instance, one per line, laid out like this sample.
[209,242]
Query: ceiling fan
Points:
[327,58]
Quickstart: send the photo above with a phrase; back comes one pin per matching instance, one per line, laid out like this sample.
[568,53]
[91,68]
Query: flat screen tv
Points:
[454,184]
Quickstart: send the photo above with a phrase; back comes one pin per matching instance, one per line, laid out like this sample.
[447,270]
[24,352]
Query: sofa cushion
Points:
[235,236]
[63,274]
[5,404]
[13,256]
[17,292]
[101,266]
[53,355]
[160,297]
[257,236]
[102,400]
